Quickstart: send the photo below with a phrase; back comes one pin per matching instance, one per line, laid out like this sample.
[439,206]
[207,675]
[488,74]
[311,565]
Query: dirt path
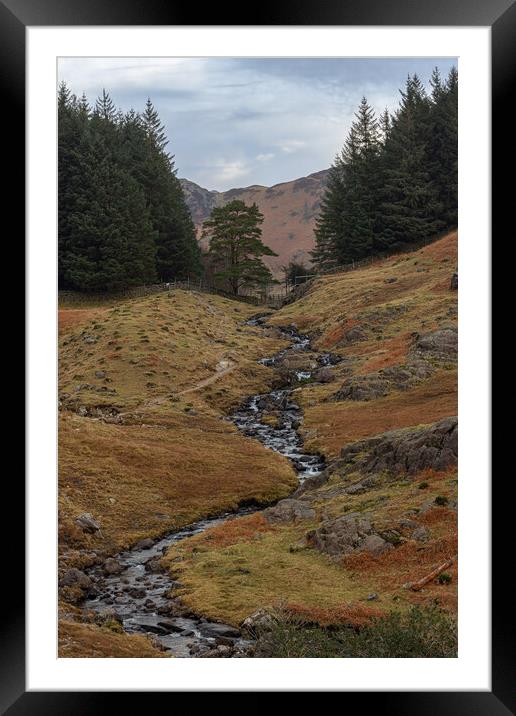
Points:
[223,368]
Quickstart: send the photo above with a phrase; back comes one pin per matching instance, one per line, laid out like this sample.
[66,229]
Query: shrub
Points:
[441,500]
[444,578]
[419,633]
[423,485]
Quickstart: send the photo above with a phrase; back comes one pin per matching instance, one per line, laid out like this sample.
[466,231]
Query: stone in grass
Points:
[260,620]
[289,510]
[421,534]
[87,523]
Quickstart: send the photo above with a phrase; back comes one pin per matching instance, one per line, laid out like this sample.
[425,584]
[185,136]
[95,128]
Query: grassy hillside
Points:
[143,385]
[369,317]
[392,325]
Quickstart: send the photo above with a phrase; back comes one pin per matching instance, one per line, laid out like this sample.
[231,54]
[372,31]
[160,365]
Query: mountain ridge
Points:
[289,208]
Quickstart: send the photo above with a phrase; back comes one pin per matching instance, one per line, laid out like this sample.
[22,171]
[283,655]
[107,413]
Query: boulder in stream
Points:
[112,566]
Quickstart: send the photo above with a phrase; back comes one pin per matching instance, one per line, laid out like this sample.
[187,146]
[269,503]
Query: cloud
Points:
[225,171]
[289,146]
[265,157]
[262,121]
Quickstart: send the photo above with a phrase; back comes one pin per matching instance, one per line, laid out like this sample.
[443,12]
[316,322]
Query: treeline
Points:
[395,181]
[122,217]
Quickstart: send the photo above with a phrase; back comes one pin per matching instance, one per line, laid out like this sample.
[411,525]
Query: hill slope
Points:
[384,512]
[289,211]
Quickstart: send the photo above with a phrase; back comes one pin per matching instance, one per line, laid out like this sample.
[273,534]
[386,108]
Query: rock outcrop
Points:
[382,382]
[404,451]
[347,534]
[440,345]
[289,510]
[408,450]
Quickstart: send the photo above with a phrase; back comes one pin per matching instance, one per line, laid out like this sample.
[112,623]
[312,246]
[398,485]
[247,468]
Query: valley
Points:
[237,468]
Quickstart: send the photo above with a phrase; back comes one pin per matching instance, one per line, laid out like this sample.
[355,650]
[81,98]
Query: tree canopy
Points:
[235,246]
[122,217]
[395,180]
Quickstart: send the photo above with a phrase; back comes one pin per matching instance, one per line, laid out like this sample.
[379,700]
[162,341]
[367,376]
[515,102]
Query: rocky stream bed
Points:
[135,590]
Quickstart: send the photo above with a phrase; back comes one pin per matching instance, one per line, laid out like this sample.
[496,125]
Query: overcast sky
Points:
[236,122]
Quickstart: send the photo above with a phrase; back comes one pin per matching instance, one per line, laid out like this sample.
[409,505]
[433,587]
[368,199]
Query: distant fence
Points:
[255,298]
[299,288]
[377,257]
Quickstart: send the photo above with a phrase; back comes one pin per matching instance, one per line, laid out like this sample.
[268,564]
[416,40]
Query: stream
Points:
[141,594]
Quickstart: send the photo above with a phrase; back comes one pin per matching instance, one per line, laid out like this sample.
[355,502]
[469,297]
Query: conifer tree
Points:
[178,253]
[345,227]
[409,207]
[122,215]
[329,222]
[236,247]
[442,148]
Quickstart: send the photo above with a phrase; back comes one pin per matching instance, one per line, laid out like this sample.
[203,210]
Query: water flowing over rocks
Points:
[134,588]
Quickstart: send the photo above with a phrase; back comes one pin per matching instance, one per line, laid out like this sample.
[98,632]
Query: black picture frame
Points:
[500,15]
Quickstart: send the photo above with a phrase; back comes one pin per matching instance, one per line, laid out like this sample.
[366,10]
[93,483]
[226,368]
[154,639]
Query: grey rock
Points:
[215,630]
[75,577]
[408,524]
[112,566]
[87,523]
[154,565]
[259,621]
[407,450]
[375,544]
[289,510]
[146,543]
[441,344]
[343,535]
[324,375]
[171,626]
[380,383]
[421,534]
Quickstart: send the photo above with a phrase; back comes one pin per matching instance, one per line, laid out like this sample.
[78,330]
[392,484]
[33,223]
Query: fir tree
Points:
[122,215]
[442,147]
[236,247]
[409,207]
[329,221]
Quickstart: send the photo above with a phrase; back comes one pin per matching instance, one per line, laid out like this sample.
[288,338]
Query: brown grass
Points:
[78,640]
[141,480]
[331,426]
[68,318]
[237,530]
[393,351]
[150,348]
[172,460]
[356,615]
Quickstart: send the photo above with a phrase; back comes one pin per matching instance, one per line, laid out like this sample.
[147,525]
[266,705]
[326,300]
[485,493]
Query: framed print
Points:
[249,352]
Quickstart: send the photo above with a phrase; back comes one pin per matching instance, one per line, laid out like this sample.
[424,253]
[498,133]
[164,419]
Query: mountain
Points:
[289,210]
